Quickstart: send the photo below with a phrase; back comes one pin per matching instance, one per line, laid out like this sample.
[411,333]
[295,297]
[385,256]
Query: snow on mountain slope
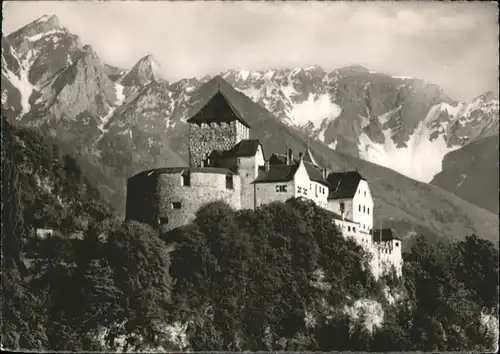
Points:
[120,97]
[314,110]
[420,159]
[397,121]
[18,79]
[278,91]
[433,138]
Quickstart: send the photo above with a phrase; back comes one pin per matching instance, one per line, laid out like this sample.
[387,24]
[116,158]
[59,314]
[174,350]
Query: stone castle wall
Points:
[204,188]
[205,138]
[162,199]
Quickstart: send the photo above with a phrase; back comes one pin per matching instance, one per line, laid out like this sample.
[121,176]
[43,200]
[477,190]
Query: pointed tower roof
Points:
[218,109]
[308,156]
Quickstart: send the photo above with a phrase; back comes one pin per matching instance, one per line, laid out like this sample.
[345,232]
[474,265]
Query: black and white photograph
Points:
[250,176]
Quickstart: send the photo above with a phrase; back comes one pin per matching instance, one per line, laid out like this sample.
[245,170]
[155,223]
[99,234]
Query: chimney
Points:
[267,166]
[289,159]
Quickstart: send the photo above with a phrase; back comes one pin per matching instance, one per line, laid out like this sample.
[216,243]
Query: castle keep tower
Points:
[216,126]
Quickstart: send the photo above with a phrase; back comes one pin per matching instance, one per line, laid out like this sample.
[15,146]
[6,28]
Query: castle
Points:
[225,164]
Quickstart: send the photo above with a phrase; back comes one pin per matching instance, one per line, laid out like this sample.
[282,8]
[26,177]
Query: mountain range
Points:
[400,132]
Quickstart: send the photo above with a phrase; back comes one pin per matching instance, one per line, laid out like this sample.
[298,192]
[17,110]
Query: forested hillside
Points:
[283,278]
[51,189]
[278,278]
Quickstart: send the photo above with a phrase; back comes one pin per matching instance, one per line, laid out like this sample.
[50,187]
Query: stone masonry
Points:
[204,138]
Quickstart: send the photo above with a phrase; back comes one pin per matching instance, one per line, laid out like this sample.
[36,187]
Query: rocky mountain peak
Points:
[353,70]
[89,53]
[316,70]
[44,24]
[146,70]
[486,97]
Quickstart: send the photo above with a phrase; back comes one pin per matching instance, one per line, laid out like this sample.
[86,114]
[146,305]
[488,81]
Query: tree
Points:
[476,265]
[140,262]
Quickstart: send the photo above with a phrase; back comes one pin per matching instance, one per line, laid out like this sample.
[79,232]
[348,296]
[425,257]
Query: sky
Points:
[454,45]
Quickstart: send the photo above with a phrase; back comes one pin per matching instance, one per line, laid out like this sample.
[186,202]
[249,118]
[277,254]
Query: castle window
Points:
[342,207]
[281,188]
[365,193]
[348,228]
[397,244]
[368,211]
[186,179]
[364,210]
[176,205]
[229,182]
[359,207]
[163,220]
[353,229]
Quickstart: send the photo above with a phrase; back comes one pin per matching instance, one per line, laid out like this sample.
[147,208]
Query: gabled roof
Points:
[276,173]
[343,184]
[246,147]
[339,217]
[382,235]
[218,109]
[315,174]
[285,173]
[308,157]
